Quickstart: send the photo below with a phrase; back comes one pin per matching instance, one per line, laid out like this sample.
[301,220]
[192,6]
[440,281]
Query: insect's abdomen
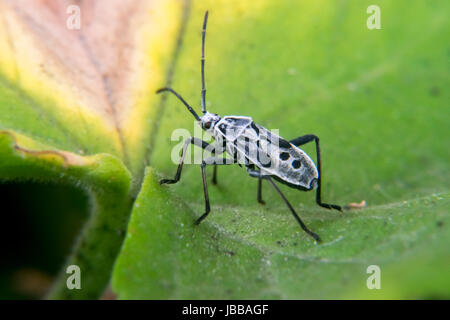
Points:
[277,157]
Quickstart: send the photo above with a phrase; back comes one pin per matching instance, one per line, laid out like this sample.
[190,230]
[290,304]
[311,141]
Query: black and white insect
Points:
[265,155]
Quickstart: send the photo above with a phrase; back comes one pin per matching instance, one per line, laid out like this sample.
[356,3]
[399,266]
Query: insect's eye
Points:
[207,125]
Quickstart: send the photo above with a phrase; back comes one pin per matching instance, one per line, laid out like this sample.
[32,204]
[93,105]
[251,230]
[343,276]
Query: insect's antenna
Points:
[181,99]
[203,63]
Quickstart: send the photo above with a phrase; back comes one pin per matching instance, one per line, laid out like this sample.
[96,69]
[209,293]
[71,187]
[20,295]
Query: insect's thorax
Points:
[231,127]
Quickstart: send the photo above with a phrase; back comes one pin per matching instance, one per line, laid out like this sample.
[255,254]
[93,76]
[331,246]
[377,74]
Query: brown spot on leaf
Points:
[69,158]
[356,205]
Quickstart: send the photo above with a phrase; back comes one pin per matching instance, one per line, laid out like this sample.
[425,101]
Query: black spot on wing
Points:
[284,156]
[296,164]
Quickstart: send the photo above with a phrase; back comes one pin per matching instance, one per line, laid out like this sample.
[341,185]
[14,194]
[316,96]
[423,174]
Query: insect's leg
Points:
[205,192]
[209,161]
[219,149]
[214,178]
[259,197]
[256,174]
[303,140]
[191,140]
[312,234]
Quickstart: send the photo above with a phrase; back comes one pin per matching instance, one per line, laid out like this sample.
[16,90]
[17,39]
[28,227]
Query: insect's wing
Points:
[276,156]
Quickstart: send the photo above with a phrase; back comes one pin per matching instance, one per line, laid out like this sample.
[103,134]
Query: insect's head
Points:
[209,120]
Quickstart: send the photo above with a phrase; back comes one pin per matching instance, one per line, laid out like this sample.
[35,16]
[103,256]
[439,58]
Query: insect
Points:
[265,155]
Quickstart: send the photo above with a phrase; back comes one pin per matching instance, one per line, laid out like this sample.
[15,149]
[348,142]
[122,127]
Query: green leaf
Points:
[102,176]
[260,253]
[78,107]
[376,98]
